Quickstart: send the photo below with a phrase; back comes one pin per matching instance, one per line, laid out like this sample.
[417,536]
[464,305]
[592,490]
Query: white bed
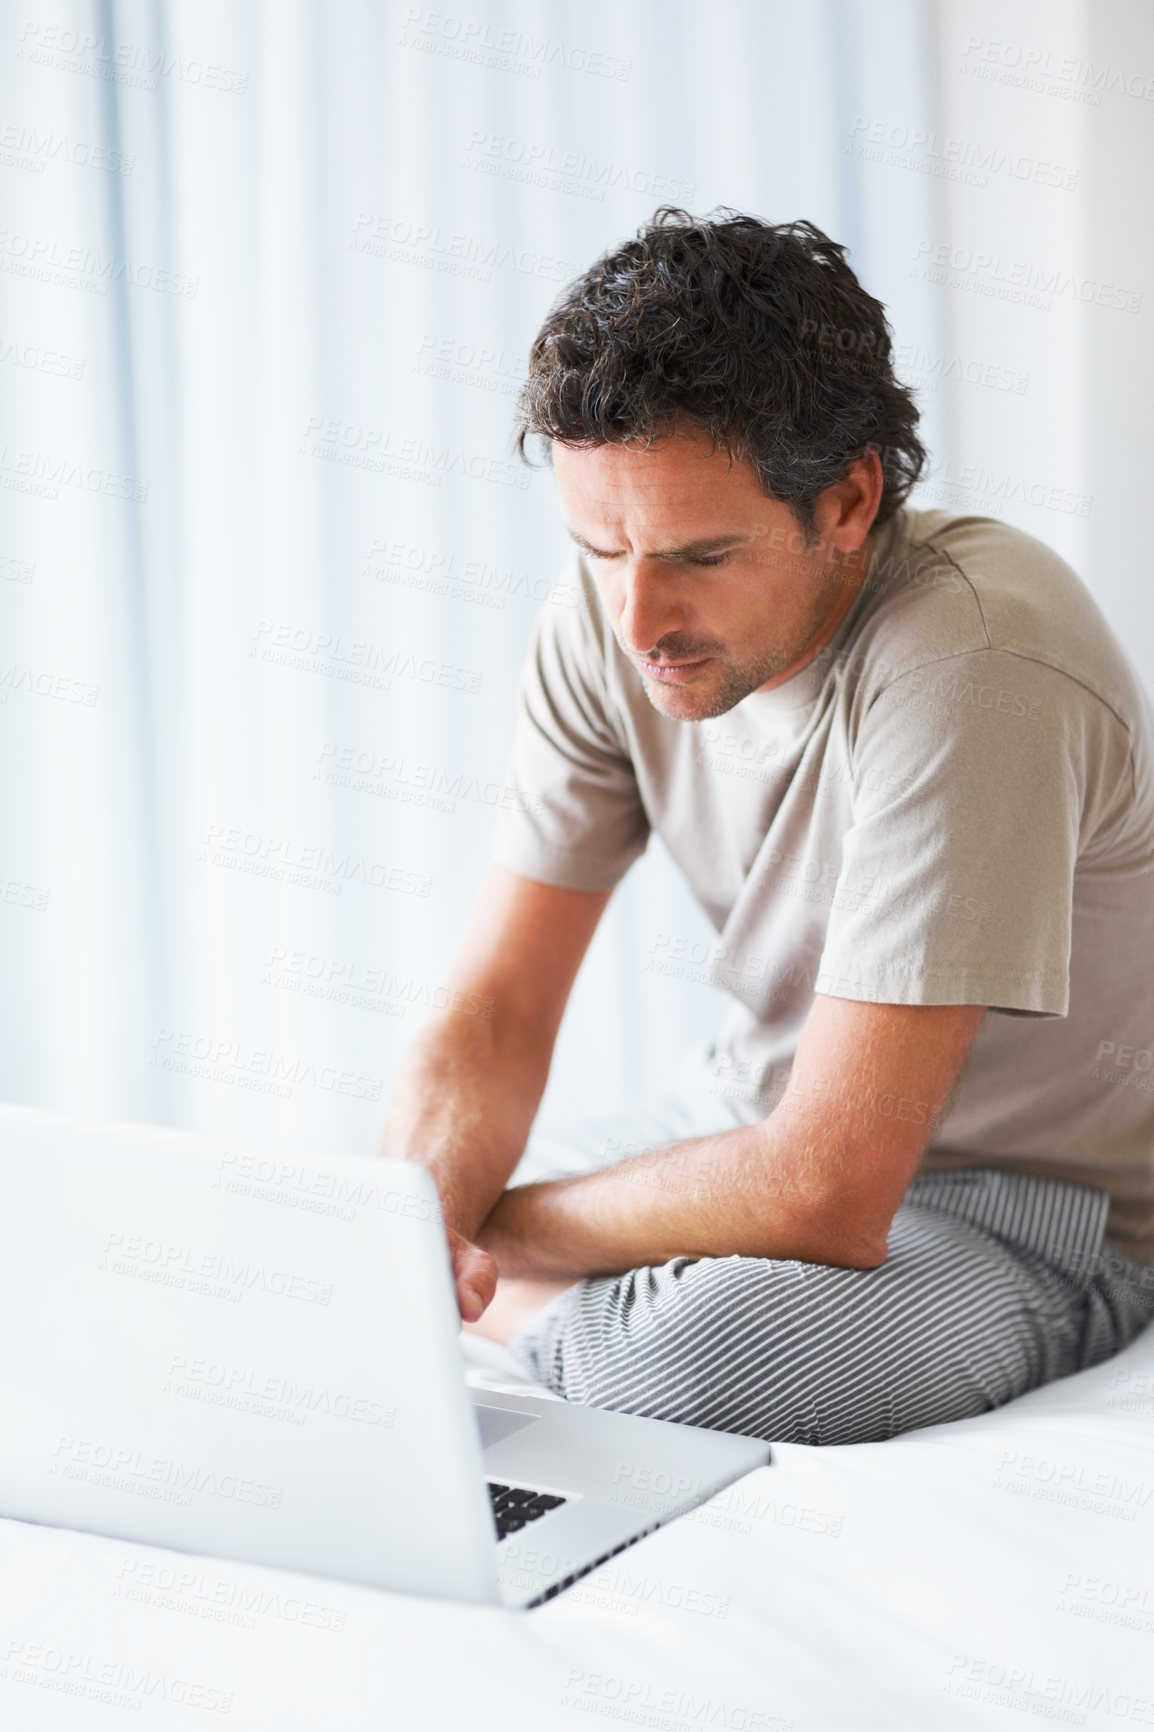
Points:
[993,1573]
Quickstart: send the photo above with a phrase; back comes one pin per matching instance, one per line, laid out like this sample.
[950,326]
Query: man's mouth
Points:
[673,673]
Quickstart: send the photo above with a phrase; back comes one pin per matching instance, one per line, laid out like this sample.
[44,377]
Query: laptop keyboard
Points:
[514,1507]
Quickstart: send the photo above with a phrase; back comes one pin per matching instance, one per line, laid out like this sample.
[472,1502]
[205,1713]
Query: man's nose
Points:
[649,609]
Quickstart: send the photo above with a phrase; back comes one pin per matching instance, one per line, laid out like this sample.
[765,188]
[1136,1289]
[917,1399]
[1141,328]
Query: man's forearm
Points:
[469,1086]
[463,1105]
[819,1180]
[753,1191]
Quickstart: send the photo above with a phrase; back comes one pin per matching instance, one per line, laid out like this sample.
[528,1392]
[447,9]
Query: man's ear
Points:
[846,510]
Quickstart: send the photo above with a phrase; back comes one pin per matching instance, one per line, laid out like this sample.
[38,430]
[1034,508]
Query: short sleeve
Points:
[956,882]
[578,820]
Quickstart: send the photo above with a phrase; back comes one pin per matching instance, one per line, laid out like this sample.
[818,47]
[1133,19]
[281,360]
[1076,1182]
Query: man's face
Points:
[709,585]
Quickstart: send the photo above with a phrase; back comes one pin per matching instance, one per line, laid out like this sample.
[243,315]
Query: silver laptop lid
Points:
[235,1351]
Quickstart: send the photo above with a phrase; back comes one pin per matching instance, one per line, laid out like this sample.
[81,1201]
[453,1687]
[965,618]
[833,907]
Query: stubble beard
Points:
[732,682]
[684,704]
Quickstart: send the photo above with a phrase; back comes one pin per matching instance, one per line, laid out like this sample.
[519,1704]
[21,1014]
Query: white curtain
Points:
[267,566]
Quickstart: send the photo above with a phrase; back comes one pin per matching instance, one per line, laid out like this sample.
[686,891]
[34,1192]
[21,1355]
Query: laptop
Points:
[244,1353]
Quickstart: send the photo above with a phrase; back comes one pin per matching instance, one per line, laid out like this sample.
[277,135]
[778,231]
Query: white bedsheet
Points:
[993,1573]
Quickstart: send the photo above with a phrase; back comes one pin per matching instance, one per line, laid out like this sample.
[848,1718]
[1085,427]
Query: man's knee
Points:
[650,1341]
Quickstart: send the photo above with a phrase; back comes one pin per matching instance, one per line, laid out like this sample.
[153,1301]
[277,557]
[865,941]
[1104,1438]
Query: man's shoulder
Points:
[947,586]
[574,617]
[572,643]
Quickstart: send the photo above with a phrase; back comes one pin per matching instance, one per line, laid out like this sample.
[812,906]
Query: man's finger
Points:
[476,1279]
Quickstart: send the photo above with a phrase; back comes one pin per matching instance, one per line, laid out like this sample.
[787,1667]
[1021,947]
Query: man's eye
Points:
[708,559]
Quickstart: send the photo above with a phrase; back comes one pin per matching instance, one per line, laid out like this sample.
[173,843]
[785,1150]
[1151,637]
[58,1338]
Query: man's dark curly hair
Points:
[758,334]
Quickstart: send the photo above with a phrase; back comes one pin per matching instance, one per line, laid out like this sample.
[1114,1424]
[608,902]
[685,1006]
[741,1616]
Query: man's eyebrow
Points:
[688,550]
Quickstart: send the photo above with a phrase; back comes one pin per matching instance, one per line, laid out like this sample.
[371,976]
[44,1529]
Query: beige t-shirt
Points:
[952,804]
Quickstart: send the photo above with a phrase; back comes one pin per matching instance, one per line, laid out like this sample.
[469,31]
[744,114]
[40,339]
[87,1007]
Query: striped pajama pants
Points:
[994,1283]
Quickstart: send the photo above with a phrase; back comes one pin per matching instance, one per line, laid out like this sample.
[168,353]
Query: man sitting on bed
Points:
[917,1177]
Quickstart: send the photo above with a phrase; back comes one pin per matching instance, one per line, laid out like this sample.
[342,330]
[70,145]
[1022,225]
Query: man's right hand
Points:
[475,1273]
